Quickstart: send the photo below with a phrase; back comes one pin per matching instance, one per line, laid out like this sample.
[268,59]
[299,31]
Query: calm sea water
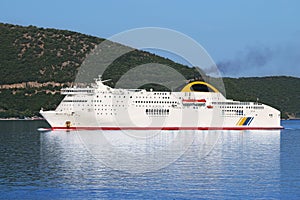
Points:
[148,165]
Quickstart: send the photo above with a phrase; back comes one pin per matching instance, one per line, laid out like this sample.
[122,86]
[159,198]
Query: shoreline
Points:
[18,119]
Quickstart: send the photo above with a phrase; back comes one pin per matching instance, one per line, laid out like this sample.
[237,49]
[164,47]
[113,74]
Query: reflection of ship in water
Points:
[198,105]
[131,151]
[149,151]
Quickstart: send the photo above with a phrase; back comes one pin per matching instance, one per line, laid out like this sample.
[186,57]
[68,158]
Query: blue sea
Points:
[148,164]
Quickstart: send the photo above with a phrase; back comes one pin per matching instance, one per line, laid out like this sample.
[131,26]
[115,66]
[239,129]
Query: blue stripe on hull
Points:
[251,118]
[247,120]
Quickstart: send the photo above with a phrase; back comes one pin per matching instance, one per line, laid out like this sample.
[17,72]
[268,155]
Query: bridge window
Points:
[200,88]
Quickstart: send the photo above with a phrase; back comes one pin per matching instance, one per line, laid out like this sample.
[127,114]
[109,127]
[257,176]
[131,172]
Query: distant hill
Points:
[281,92]
[43,55]
[36,62]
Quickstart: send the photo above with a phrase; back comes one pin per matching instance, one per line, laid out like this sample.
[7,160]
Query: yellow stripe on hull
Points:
[242,121]
[237,124]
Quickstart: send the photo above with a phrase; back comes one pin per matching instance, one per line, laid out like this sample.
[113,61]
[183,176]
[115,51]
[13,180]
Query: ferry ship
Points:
[197,106]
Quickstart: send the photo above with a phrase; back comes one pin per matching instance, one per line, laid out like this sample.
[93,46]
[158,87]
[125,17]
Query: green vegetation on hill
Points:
[280,92]
[42,55]
[37,54]
[27,102]
[31,54]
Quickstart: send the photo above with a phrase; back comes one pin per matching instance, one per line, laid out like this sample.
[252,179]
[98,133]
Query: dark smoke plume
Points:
[263,61]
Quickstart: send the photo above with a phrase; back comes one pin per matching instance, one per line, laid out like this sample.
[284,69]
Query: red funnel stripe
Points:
[194,100]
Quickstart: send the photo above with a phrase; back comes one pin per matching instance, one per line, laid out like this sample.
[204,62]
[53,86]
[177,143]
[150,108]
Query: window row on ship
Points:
[157,111]
[106,113]
[136,97]
[78,90]
[233,112]
[240,107]
[87,105]
[167,102]
[254,107]
[150,97]
[152,102]
[239,103]
[231,103]
[74,100]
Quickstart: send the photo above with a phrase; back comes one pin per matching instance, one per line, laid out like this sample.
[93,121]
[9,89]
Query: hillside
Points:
[280,92]
[36,62]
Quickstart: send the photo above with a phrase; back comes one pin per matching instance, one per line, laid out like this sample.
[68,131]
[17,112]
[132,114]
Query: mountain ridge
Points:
[36,62]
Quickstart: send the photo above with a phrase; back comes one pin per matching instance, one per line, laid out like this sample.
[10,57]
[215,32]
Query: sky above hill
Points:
[244,38]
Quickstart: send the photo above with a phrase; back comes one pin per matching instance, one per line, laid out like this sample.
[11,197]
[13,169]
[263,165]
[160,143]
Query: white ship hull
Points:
[102,107]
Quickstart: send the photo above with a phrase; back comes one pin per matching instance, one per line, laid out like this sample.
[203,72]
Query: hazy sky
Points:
[244,38]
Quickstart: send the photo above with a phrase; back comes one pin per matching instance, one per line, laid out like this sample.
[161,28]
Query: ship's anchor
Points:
[68,124]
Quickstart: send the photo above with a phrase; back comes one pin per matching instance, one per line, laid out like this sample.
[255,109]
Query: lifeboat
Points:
[194,101]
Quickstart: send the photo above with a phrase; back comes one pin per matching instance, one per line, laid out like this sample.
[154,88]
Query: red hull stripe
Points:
[167,128]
